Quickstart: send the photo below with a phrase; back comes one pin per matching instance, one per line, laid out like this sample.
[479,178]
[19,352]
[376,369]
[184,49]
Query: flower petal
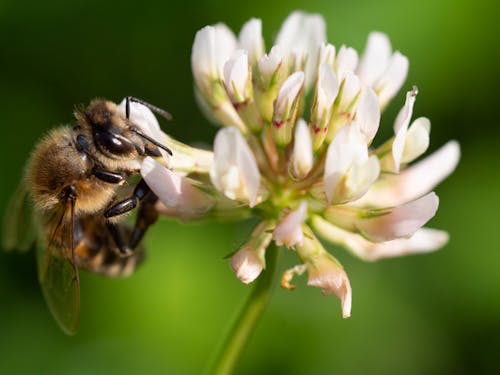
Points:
[327,89]
[234,171]
[302,156]
[417,139]
[375,58]
[368,114]
[415,181]
[212,47]
[289,230]
[380,225]
[250,39]
[424,240]
[174,190]
[249,261]
[401,128]
[346,61]
[349,172]
[236,76]
[324,271]
[301,36]
[393,78]
[288,94]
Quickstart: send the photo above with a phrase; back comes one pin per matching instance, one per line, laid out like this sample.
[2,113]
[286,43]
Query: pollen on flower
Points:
[307,167]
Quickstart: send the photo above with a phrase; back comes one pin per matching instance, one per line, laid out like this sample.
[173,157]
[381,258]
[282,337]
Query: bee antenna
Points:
[167,116]
[150,139]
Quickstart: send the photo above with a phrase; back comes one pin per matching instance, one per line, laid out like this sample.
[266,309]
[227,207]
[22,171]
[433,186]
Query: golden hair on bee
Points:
[78,180]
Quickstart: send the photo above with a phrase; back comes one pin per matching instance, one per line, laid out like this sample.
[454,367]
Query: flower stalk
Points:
[237,338]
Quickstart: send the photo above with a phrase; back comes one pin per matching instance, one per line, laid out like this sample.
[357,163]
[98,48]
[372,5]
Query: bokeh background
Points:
[429,314]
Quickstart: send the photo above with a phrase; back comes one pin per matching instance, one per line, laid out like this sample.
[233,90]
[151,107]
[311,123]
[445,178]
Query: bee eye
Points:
[116,144]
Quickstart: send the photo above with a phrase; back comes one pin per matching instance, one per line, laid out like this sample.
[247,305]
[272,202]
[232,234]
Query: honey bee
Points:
[75,188]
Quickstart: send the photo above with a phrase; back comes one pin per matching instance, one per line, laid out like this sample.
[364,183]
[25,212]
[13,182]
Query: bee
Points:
[75,187]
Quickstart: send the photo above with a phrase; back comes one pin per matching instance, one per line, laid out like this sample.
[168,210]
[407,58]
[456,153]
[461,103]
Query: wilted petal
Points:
[302,156]
[401,128]
[212,47]
[346,61]
[417,139]
[415,181]
[324,271]
[234,171]
[375,58]
[380,225]
[393,78]
[174,190]
[328,275]
[423,241]
[289,230]
[349,172]
[250,39]
[368,114]
[236,76]
[301,36]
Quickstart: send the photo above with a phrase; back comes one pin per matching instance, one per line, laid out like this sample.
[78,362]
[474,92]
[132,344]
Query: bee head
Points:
[110,130]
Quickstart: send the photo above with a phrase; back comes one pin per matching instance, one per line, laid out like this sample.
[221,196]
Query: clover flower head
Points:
[306,168]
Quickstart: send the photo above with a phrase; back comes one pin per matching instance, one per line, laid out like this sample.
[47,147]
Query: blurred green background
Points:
[430,314]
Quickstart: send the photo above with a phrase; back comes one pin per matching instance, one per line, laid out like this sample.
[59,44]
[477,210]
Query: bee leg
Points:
[147,215]
[128,204]
[117,235]
[140,193]
[107,176]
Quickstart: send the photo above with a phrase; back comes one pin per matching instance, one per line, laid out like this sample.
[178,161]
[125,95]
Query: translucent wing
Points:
[58,275]
[18,231]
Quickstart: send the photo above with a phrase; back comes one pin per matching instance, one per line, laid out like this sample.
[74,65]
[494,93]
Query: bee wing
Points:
[58,276]
[18,231]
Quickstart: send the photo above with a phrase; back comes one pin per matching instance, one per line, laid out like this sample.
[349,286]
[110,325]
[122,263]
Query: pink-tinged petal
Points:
[324,271]
[375,58]
[250,39]
[249,261]
[379,225]
[236,76]
[247,265]
[423,241]
[142,116]
[331,277]
[346,61]
[302,156]
[401,128]
[393,78]
[368,114]
[301,36]
[174,190]
[234,171]
[415,181]
[289,230]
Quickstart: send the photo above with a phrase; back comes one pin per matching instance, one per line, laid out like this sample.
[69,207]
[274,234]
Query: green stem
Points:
[237,338]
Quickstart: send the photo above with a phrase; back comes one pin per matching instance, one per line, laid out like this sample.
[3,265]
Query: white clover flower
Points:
[306,171]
